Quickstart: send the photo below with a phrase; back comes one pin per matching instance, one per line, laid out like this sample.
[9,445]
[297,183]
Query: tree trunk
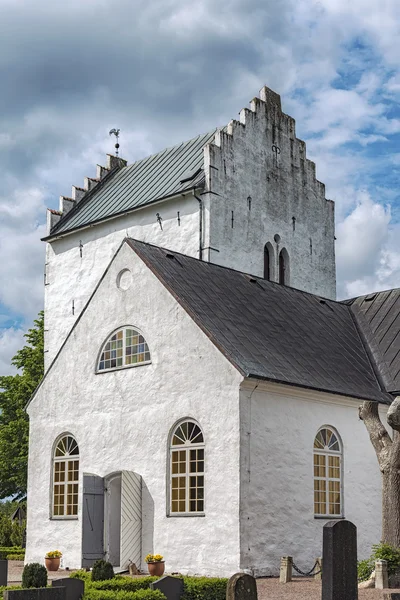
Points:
[388,455]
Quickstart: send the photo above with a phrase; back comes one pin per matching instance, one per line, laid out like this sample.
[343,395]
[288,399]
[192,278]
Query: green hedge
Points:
[124,583]
[5,550]
[15,556]
[204,588]
[95,594]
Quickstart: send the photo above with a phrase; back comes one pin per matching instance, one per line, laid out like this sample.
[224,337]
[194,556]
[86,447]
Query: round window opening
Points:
[124,279]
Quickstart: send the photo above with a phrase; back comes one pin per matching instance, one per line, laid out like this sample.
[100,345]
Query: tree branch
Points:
[380,439]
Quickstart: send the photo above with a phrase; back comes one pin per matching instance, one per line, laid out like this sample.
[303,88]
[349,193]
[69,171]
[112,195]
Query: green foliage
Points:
[379,552]
[387,552]
[93,594]
[34,575]
[204,588]
[14,427]
[3,588]
[5,531]
[4,551]
[17,533]
[364,569]
[102,570]
[125,583]
[16,556]
[86,576]
[194,588]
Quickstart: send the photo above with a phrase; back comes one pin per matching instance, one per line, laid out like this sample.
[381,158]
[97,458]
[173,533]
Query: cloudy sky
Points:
[166,70]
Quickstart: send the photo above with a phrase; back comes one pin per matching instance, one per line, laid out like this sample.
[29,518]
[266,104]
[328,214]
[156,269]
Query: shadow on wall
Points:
[147,522]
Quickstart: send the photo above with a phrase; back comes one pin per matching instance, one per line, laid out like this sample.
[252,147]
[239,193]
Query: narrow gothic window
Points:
[187,469]
[65,477]
[284,267]
[267,270]
[124,348]
[327,473]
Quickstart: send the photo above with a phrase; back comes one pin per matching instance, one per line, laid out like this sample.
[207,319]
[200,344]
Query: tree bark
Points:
[386,451]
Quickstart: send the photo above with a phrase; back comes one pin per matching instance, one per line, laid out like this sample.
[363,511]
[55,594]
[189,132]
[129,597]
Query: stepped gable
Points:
[378,318]
[124,188]
[267,330]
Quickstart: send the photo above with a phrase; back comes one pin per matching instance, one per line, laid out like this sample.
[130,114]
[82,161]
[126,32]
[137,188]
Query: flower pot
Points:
[52,564]
[156,569]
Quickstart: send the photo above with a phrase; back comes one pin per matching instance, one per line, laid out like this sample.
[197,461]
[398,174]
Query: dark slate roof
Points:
[378,317]
[170,172]
[267,330]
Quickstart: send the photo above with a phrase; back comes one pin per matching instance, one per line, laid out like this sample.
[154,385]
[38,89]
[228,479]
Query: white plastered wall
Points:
[260,184]
[278,426]
[71,278]
[122,419]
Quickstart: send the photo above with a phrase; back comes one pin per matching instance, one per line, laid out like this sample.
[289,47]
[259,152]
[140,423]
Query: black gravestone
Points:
[36,594]
[74,588]
[3,572]
[339,555]
[171,587]
[241,587]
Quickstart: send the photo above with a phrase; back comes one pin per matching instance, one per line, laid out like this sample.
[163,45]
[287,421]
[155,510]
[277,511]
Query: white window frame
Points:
[186,448]
[64,459]
[123,366]
[327,452]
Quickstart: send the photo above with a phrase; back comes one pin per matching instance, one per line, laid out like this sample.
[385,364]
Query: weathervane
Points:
[116,133]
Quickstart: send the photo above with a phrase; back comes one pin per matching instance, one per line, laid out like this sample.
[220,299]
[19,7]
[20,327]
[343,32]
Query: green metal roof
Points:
[161,175]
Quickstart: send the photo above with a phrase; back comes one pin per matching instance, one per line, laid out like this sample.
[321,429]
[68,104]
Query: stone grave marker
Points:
[241,587]
[3,572]
[75,588]
[171,587]
[339,575]
[50,593]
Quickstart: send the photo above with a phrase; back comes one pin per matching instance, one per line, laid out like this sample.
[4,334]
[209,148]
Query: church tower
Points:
[267,212]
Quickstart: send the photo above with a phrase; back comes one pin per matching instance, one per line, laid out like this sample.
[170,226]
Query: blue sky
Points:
[167,70]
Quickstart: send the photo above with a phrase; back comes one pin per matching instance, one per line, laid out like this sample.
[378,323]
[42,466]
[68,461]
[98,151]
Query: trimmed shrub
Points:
[81,574]
[15,556]
[34,575]
[102,570]
[4,550]
[93,594]
[204,588]
[125,583]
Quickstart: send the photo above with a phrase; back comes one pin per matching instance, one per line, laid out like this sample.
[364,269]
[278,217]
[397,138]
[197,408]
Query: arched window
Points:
[65,477]
[268,262]
[327,473]
[126,347]
[187,469]
[284,267]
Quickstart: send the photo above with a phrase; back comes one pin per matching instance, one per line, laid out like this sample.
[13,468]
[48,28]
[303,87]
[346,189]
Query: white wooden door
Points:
[131,519]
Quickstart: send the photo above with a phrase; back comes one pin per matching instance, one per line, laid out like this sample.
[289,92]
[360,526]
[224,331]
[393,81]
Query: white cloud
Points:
[11,340]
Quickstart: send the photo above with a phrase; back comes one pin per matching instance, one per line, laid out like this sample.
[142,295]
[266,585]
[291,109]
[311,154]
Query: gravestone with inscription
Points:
[74,588]
[171,587]
[241,587]
[339,551]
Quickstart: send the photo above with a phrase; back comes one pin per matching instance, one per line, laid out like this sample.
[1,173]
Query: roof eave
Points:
[58,236]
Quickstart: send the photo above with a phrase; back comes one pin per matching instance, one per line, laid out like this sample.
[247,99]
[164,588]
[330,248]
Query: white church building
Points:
[201,388]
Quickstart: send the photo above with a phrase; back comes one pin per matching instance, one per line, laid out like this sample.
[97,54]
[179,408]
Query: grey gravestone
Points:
[75,588]
[241,587]
[339,552]
[171,587]
[3,572]
[56,593]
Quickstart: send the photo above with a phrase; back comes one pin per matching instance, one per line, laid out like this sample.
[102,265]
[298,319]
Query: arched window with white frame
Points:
[126,347]
[186,469]
[65,477]
[328,496]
